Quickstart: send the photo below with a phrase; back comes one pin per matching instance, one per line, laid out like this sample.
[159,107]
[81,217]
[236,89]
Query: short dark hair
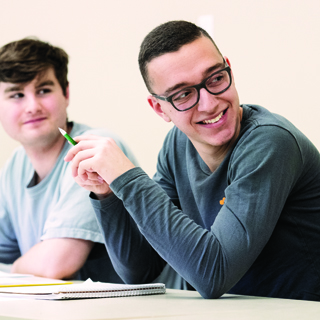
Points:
[167,37]
[21,61]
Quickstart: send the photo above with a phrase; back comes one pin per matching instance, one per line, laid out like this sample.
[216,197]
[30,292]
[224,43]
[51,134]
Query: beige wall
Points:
[273,47]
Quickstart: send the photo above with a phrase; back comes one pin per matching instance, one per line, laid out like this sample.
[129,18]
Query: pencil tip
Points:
[62,131]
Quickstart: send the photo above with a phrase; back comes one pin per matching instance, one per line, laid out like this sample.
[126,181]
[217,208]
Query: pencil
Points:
[67,137]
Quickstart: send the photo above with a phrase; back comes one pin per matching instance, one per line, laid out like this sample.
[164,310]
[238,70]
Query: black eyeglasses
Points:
[187,98]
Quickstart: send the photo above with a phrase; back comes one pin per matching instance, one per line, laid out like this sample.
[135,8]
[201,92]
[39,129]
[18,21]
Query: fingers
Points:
[76,149]
[90,182]
[101,156]
[86,166]
[88,159]
[93,177]
[86,142]
[78,158]
[101,190]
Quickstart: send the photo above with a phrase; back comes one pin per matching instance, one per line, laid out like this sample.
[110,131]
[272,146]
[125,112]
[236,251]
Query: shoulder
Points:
[270,127]
[255,116]
[16,166]
[271,135]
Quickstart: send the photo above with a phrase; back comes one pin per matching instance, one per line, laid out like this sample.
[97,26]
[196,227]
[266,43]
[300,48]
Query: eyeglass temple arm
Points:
[159,97]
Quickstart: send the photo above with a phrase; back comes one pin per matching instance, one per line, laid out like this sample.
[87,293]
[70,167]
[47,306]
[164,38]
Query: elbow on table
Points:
[210,292]
[210,295]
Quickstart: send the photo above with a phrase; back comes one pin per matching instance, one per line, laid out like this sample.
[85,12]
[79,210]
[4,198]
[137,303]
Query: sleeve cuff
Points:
[125,178]
[107,202]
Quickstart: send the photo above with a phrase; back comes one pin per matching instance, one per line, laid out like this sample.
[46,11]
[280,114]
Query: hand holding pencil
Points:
[94,183]
[96,162]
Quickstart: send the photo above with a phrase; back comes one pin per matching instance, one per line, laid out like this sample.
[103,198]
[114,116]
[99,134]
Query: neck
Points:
[213,158]
[44,155]
[44,158]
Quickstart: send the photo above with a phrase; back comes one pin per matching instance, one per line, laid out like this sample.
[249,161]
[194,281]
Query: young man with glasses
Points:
[47,225]
[235,203]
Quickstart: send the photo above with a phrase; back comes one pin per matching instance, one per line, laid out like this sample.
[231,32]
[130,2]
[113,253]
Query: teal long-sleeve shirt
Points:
[251,227]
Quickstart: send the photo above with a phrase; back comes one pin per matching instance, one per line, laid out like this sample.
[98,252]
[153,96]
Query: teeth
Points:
[214,120]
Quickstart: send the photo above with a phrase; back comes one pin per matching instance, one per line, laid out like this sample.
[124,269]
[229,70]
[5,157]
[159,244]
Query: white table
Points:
[175,304]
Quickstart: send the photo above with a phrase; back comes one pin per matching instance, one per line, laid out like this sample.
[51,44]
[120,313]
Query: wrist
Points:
[100,196]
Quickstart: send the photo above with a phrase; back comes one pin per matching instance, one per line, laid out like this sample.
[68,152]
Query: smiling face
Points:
[31,113]
[214,123]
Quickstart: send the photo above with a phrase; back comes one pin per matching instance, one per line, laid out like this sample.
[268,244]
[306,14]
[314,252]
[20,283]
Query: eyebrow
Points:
[207,72]
[13,88]
[45,83]
[19,87]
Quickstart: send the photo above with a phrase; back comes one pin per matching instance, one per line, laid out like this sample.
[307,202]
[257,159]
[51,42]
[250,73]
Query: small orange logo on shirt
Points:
[222,201]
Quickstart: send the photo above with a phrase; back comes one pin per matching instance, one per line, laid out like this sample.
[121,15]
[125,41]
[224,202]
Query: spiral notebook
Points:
[86,290]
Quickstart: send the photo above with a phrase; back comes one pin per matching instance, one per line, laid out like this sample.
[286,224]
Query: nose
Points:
[33,104]
[207,102]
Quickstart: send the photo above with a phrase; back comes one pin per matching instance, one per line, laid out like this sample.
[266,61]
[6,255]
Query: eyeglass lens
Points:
[188,97]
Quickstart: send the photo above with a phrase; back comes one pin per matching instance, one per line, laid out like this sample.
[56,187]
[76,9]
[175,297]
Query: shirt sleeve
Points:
[132,256]
[213,261]
[71,215]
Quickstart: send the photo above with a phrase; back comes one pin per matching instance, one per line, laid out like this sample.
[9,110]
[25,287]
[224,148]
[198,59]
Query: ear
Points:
[228,62]
[67,96]
[156,106]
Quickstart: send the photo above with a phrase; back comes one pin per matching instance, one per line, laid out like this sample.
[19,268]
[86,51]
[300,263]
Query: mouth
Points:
[34,120]
[214,120]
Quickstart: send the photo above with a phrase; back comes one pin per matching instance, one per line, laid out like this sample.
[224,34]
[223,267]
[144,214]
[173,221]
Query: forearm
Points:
[211,261]
[182,243]
[132,256]
[30,264]
[54,258]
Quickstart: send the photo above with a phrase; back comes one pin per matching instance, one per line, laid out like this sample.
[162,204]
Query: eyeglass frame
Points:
[198,87]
